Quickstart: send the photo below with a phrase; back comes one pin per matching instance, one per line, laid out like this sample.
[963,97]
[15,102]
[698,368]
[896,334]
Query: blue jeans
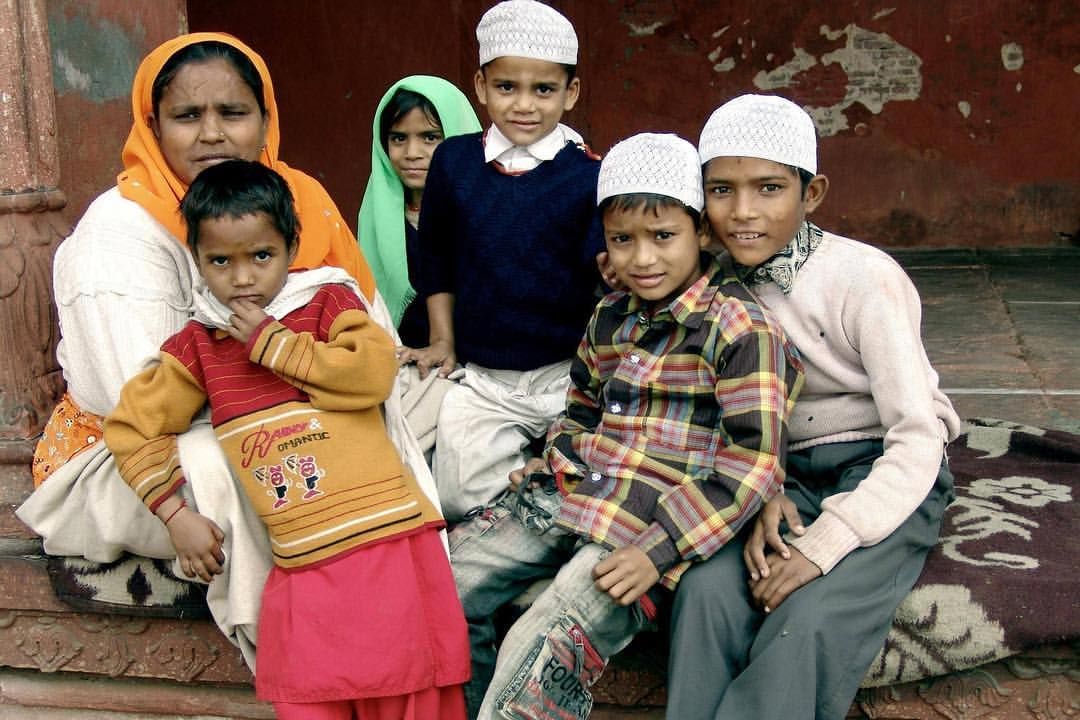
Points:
[558,648]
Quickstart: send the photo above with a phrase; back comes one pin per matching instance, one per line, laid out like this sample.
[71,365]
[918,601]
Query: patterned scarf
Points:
[782,267]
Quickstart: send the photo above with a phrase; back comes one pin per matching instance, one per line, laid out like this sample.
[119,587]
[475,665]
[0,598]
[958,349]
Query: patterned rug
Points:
[1002,580]
[131,585]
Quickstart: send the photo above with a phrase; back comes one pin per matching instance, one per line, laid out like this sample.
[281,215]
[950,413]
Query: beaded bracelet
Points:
[181,506]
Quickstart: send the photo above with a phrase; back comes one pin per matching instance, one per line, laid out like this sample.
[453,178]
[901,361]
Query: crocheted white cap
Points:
[663,164]
[761,126]
[529,29]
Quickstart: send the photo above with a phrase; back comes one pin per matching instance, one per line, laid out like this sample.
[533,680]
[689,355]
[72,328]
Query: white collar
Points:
[519,158]
[299,288]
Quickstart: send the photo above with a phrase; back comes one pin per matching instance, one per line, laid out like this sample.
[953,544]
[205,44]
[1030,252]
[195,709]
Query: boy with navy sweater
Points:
[508,241]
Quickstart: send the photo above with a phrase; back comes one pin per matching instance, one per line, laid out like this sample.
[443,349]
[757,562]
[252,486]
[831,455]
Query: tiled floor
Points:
[1002,328]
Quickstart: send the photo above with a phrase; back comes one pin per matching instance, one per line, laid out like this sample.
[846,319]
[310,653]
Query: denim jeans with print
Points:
[559,647]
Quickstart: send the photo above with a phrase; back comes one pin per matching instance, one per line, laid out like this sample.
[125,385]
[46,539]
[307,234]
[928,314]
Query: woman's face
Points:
[208,115]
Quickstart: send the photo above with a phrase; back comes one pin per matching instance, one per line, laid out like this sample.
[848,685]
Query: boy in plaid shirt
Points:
[673,436]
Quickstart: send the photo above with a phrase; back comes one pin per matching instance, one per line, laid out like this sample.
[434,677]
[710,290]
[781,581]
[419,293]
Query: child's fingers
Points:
[754,553]
[774,541]
[792,518]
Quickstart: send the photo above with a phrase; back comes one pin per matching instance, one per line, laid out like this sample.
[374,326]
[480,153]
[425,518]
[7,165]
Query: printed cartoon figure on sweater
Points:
[509,236]
[309,473]
[809,593]
[672,437]
[295,373]
[274,476]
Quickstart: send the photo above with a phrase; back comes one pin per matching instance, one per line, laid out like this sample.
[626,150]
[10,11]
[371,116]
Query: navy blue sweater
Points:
[518,252]
[413,327]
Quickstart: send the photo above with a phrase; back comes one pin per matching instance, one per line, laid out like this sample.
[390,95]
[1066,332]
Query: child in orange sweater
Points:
[295,371]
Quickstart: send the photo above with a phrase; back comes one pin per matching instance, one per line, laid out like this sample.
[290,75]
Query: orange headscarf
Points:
[148,180]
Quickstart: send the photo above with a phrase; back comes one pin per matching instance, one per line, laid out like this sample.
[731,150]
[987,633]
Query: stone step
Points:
[29,695]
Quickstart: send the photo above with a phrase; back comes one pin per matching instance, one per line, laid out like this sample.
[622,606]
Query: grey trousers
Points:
[805,659]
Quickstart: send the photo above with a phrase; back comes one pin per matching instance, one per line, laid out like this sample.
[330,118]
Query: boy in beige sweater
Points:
[867,480]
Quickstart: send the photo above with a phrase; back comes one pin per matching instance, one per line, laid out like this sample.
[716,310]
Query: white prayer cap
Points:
[662,164]
[528,29]
[761,126]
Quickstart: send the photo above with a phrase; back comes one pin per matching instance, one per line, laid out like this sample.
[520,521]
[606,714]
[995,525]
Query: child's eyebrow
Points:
[755,180]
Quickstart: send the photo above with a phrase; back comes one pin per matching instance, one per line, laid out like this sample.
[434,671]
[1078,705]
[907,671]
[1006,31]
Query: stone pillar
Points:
[30,228]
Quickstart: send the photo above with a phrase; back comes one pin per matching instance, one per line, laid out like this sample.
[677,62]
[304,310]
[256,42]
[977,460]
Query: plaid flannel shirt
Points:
[675,429]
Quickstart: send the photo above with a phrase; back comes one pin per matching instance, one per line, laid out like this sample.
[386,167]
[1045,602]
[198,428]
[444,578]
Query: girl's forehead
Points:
[416,117]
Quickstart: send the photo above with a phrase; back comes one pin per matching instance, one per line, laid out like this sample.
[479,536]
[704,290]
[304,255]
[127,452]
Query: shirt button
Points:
[596,477]
[635,359]
[616,408]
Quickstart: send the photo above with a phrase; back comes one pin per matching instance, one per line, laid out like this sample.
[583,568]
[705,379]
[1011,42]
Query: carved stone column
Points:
[30,228]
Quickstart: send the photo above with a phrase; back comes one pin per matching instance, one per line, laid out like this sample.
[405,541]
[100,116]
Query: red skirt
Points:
[380,621]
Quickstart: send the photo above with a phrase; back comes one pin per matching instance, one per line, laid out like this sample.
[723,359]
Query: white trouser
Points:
[486,422]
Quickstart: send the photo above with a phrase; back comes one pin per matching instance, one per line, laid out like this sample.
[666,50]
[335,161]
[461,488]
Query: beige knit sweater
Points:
[855,317]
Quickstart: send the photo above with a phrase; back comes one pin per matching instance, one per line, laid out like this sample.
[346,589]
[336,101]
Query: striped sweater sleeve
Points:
[155,406]
[353,369]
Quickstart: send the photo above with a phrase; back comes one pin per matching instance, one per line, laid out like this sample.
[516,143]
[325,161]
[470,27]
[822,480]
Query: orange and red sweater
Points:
[298,412]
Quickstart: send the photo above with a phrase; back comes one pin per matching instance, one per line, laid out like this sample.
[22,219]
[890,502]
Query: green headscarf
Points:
[381,227]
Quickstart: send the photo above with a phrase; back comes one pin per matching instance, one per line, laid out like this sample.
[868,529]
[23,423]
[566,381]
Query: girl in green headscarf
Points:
[413,117]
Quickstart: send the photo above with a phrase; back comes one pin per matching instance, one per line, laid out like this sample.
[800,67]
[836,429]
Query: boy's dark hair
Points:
[571,70]
[236,188]
[651,202]
[805,176]
[202,52]
[401,103]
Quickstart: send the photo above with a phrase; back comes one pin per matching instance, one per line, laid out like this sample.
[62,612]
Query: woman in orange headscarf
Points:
[124,282]
[157,185]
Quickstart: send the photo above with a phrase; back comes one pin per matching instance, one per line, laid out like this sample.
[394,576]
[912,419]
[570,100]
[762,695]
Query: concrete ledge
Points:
[26,694]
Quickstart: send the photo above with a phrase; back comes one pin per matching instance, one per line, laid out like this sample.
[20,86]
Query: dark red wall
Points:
[943,123]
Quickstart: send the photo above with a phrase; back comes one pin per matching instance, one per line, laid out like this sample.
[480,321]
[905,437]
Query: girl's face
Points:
[409,145]
[208,115]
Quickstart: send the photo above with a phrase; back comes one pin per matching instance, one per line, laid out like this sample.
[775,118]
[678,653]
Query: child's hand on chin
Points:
[247,316]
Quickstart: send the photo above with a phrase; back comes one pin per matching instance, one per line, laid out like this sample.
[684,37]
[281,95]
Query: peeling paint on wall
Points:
[783,76]
[1012,56]
[94,57]
[646,30]
[73,77]
[879,70]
